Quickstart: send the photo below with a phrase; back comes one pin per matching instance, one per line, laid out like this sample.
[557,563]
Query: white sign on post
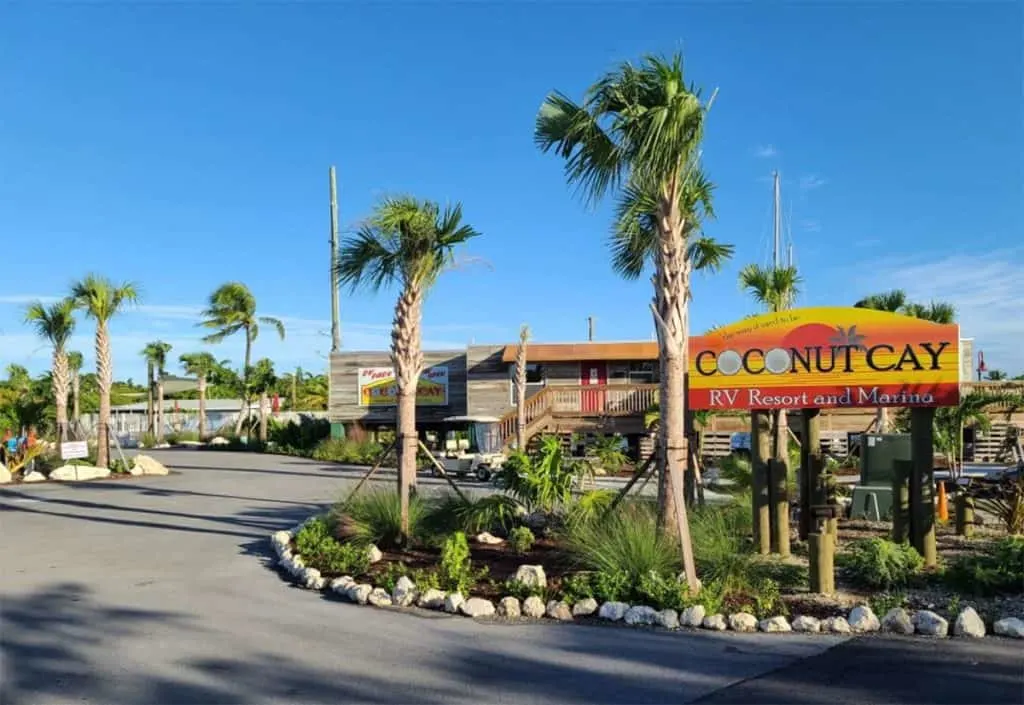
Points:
[74,449]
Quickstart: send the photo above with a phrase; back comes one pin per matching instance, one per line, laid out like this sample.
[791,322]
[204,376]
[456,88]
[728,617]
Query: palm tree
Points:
[263,380]
[410,243]
[634,243]
[949,422]
[936,312]
[892,301]
[75,362]
[232,309]
[775,288]
[56,323]
[524,339]
[641,126]
[155,354]
[200,365]
[996,376]
[101,300]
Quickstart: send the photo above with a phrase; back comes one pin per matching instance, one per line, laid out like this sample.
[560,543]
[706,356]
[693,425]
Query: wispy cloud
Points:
[810,226]
[766,151]
[985,289]
[809,182]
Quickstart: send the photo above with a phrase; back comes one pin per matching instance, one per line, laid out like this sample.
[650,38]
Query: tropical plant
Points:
[543,481]
[521,539]
[155,354]
[75,363]
[200,365]
[949,422]
[101,300]
[641,126]
[996,376]
[410,243]
[320,550]
[232,309]
[881,564]
[55,323]
[262,381]
[775,288]
[376,517]
[998,568]
[1005,501]
[609,453]
[897,301]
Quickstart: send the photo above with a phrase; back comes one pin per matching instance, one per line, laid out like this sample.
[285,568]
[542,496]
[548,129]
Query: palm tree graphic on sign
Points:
[850,337]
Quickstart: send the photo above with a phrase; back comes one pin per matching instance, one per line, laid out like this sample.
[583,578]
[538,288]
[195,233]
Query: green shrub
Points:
[522,591]
[663,592]
[590,505]
[997,570]
[738,471]
[521,539]
[882,602]
[496,512]
[880,563]
[541,481]
[322,551]
[176,437]
[147,439]
[627,541]
[342,450]
[455,572]
[302,436]
[376,517]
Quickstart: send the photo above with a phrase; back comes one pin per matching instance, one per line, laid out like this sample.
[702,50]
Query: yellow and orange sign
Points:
[377,387]
[825,358]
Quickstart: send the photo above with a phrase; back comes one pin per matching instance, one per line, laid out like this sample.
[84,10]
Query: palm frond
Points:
[276,323]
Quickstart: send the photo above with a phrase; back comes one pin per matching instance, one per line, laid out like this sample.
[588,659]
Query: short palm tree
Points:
[775,288]
[200,365]
[410,243]
[101,299]
[972,411]
[996,376]
[56,323]
[75,363]
[155,354]
[892,301]
[232,309]
[641,127]
[263,380]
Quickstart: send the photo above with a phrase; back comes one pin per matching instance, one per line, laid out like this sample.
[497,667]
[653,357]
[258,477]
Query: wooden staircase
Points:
[573,405]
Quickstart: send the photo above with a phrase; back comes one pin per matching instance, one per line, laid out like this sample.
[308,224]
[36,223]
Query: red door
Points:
[593,374]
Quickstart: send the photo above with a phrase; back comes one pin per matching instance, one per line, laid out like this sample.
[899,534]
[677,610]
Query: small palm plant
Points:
[155,354]
[201,366]
[56,323]
[102,300]
[408,243]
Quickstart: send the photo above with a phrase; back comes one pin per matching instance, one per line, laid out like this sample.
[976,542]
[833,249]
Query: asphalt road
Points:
[159,591]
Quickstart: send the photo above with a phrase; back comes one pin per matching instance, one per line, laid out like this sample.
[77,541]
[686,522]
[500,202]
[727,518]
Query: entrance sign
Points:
[825,358]
[71,450]
[377,387]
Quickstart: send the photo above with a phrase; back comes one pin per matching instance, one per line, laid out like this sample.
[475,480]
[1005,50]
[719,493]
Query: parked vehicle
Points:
[471,446]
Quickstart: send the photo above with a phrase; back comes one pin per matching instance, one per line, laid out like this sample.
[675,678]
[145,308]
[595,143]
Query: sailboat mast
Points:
[777,223]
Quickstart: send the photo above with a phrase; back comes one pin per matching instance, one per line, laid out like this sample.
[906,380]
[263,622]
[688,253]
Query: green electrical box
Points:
[878,455]
[337,430]
[872,502]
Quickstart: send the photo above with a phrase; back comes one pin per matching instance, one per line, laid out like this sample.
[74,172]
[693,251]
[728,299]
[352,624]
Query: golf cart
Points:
[471,445]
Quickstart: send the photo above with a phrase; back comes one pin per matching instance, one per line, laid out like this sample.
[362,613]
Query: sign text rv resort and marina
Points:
[825,358]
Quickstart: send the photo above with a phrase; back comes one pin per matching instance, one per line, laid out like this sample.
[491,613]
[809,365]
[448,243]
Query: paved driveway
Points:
[158,591]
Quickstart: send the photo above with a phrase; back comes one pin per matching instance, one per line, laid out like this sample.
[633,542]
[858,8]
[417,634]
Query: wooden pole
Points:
[779,507]
[760,450]
[369,474]
[922,484]
[637,474]
[901,500]
[964,515]
[821,556]
[810,447]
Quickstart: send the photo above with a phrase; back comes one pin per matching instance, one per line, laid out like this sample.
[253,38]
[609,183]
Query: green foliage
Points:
[738,471]
[590,505]
[455,572]
[342,450]
[882,602]
[626,541]
[543,481]
[494,512]
[307,434]
[720,544]
[521,539]
[322,551]
[881,564]
[175,437]
[376,517]
[1005,501]
[997,570]
[608,450]
[522,591]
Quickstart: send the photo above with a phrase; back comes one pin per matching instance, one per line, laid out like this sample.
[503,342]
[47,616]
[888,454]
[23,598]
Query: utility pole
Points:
[335,316]
[590,329]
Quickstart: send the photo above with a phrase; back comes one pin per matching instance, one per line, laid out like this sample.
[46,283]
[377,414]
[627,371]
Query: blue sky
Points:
[183,145]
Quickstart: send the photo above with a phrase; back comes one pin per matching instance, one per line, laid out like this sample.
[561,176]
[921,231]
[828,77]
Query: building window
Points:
[535,380]
[642,373]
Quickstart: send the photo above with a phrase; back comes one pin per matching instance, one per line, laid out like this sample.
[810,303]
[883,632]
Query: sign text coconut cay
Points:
[825,358]
[377,387]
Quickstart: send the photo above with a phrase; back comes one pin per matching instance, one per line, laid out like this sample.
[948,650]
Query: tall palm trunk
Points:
[673,276]
[264,405]
[521,390]
[76,392]
[104,380]
[202,407]
[159,408]
[407,357]
[243,413]
[150,419]
[60,393]
[882,420]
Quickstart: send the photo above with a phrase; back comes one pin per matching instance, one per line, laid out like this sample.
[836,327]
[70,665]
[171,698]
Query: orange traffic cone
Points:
[943,508]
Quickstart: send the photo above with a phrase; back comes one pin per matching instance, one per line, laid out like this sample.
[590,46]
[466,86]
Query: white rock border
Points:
[860,620]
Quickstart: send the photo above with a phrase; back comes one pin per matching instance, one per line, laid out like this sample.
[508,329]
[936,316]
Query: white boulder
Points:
[219,441]
[453,602]
[742,622]
[431,599]
[1009,626]
[714,622]
[930,624]
[862,619]
[488,539]
[379,597]
[969,623]
[404,593]
[640,614]
[897,621]
[310,576]
[360,593]
[533,607]
[531,576]
[150,466]
[836,625]
[477,607]
[613,611]
[667,619]
[585,607]
[374,554]
[803,623]
[34,476]
[692,616]
[341,585]
[557,609]
[508,606]
[5,474]
[774,624]
[75,473]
